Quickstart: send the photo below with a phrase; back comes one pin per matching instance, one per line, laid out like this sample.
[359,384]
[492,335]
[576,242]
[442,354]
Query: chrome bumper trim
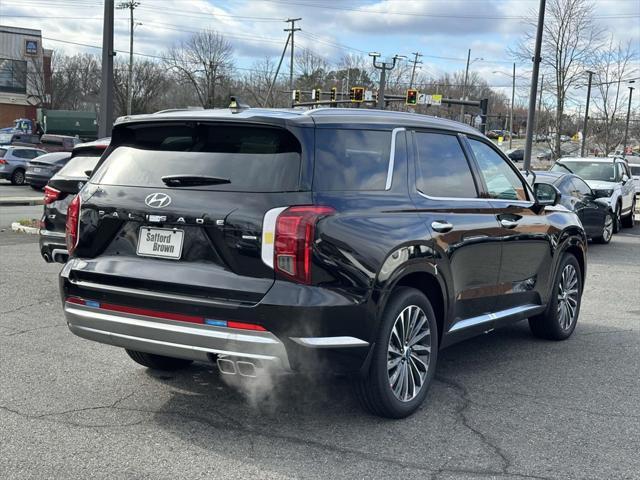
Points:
[59,251]
[49,233]
[330,342]
[173,339]
[101,287]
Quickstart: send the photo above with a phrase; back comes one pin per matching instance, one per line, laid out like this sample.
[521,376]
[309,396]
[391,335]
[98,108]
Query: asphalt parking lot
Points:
[504,405]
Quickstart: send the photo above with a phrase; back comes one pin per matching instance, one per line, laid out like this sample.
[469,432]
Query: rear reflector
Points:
[165,315]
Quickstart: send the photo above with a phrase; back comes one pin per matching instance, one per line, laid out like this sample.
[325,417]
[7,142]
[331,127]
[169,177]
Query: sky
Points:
[441,30]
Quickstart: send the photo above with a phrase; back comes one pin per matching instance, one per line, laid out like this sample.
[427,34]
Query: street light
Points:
[513,94]
[383,67]
[626,128]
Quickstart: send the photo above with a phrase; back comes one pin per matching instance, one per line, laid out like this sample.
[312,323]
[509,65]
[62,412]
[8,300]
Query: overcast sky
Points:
[442,30]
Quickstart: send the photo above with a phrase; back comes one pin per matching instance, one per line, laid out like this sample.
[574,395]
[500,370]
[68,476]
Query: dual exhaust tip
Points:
[243,368]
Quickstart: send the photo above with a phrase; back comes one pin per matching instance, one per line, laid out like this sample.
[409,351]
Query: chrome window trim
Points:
[392,156]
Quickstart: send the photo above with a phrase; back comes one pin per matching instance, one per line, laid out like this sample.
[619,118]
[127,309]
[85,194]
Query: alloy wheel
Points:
[408,353]
[18,177]
[607,230]
[568,297]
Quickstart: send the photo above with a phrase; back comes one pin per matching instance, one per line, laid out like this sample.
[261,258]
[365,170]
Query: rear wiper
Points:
[192,180]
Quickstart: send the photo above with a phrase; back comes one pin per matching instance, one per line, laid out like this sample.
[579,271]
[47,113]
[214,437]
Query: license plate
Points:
[160,242]
[37,170]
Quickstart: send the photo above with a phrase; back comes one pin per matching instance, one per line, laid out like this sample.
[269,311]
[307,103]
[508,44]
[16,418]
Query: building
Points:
[25,74]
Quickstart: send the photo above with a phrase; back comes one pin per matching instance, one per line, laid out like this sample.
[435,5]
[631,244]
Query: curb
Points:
[20,201]
[16,227]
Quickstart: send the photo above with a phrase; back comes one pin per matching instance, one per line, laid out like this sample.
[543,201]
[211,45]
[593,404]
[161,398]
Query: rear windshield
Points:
[351,159]
[81,163]
[251,158]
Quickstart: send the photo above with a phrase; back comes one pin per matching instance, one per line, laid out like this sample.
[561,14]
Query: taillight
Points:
[50,195]
[73,220]
[3,161]
[293,244]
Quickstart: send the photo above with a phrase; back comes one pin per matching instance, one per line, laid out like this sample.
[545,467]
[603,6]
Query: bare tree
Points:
[611,66]
[311,69]
[149,81]
[75,81]
[204,60]
[258,82]
[569,40]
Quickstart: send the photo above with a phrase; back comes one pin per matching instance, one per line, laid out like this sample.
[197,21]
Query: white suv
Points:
[611,179]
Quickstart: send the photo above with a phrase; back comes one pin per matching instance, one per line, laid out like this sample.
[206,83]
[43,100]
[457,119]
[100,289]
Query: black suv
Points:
[353,241]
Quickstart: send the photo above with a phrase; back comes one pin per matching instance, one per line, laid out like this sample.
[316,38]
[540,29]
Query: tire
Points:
[382,391]
[559,320]
[158,362]
[17,178]
[629,221]
[607,229]
[617,225]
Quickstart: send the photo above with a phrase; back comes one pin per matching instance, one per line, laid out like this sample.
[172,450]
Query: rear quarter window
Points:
[351,159]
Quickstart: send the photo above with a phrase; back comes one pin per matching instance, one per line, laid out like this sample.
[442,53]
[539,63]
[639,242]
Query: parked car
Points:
[354,241]
[595,213]
[14,160]
[58,194]
[634,168]
[516,154]
[58,143]
[549,154]
[40,170]
[610,178]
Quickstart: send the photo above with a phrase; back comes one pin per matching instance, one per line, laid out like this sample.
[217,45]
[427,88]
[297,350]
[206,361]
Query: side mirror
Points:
[546,194]
[625,178]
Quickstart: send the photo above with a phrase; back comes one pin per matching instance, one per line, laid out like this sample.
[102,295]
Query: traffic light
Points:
[315,94]
[295,96]
[334,91]
[357,94]
[412,97]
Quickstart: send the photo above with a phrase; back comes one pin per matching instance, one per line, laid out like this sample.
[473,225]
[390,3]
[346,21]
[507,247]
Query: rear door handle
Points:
[508,223]
[441,227]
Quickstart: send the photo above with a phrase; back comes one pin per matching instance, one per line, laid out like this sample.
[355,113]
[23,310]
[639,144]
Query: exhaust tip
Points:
[246,369]
[46,257]
[226,366]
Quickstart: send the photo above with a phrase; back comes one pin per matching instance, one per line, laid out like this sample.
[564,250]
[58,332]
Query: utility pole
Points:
[413,71]
[275,77]
[513,99]
[383,67]
[131,5]
[626,128]
[106,90]
[531,114]
[586,116]
[464,85]
[291,31]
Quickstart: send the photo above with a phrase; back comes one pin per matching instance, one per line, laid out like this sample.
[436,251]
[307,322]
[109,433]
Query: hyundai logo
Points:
[157,200]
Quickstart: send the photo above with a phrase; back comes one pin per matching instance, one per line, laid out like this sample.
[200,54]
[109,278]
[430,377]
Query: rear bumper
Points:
[172,339]
[307,328]
[36,179]
[53,247]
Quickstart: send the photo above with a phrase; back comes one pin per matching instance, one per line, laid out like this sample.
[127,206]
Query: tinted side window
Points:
[502,182]
[351,159]
[442,169]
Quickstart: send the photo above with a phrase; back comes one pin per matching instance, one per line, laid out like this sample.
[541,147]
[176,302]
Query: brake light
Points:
[3,161]
[293,244]
[72,227]
[50,195]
